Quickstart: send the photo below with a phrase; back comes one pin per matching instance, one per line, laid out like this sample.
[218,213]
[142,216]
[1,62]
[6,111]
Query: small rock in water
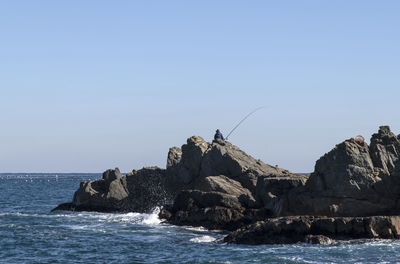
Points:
[318,239]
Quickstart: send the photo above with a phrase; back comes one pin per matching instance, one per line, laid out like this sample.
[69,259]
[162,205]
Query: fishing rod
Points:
[241,121]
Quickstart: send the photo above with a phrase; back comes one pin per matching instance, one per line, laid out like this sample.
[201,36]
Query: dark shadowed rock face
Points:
[269,190]
[146,189]
[287,230]
[213,210]
[318,239]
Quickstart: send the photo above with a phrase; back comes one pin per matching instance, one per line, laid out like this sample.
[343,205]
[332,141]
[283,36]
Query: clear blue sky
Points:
[91,85]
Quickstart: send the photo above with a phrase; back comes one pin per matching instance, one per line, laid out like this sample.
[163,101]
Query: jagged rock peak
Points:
[385,150]
[111,175]
[198,159]
[384,136]
[174,156]
[198,141]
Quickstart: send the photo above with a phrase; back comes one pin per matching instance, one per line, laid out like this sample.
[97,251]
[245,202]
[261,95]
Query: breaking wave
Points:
[203,239]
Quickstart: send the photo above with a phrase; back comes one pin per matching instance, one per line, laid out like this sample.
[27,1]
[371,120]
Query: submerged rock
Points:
[63,207]
[318,239]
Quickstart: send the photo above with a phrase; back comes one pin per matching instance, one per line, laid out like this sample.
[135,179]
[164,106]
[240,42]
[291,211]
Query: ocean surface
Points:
[29,233]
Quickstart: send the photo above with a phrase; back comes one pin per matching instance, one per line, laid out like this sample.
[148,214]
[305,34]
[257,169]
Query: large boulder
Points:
[346,170]
[224,158]
[139,191]
[221,185]
[226,185]
[353,179]
[199,159]
[107,194]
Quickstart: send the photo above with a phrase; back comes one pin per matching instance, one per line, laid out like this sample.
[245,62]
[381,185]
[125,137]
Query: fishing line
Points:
[241,121]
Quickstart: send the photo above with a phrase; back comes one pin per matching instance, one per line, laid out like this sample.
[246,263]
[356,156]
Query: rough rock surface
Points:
[106,194]
[353,179]
[138,191]
[217,169]
[146,189]
[217,202]
[223,188]
[218,186]
[385,150]
[223,184]
[318,239]
[288,230]
[199,159]
[270,189]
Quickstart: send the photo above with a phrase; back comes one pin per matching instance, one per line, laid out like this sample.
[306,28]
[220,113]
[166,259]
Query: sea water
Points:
[30,233]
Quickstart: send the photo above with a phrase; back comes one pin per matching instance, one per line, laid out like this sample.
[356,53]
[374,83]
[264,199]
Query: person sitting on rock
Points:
[218,135]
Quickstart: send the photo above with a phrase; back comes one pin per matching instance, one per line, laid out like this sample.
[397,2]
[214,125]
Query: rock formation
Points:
[218,186]
[225,187]
[353,179]
[138,191]
[205,178]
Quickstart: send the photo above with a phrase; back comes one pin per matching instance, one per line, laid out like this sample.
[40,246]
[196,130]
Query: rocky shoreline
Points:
[316,230]
[354,192]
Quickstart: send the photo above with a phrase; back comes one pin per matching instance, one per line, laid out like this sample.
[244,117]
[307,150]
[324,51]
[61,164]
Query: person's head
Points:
[217,131]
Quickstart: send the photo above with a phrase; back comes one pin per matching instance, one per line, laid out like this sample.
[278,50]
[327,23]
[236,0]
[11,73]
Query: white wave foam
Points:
[298,260]
[129,218]
[151,219]
[203,239]
[197,229]
[77,227]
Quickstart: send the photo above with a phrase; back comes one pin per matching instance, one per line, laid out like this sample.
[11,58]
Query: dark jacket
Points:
[218,135]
